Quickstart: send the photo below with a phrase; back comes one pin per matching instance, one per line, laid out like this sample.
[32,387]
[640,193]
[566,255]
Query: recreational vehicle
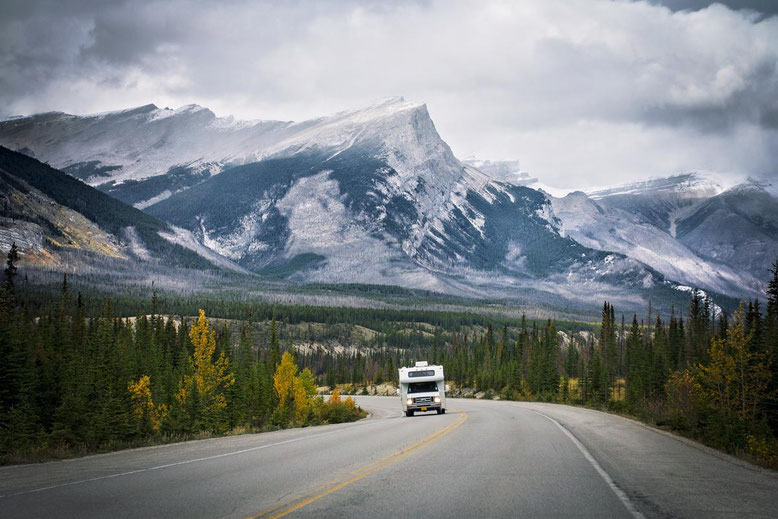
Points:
[422,388]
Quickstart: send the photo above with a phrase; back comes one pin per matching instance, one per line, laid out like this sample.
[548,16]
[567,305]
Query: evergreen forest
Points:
[84,372]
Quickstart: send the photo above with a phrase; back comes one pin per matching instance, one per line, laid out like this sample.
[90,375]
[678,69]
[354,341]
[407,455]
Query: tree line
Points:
[79,376]
[72,381]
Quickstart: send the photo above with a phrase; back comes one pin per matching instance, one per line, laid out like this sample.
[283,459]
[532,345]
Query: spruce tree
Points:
[595,382]
[10,270]
[609,347]
[635,382]
[275,345]
[771,347]
[696,330]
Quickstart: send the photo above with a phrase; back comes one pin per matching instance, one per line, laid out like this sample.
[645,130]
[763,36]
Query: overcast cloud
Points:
[582,92]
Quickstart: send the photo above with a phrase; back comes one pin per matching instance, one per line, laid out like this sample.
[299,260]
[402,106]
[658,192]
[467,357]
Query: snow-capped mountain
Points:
[603,227]
[738,227]
[375,195]
[686,185]
[688,227]
[660,201]
[145,154]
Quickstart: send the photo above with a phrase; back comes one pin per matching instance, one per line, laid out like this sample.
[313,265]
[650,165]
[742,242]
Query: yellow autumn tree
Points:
[337,410]
[208,376]
[297,400]
[148,415]
[737,376]
[283,380]
[295,391]
[304,388]
[334,397]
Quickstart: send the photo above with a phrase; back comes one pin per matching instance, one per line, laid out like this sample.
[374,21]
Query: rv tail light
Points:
[437,399]
[410,401]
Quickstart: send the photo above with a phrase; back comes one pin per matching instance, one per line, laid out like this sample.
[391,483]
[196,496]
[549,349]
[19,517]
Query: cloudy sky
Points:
[582,92]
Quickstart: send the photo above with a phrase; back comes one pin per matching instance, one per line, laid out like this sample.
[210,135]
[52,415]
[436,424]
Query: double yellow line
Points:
[291,505]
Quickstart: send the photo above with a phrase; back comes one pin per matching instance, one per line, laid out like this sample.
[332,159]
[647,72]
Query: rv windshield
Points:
[422,387]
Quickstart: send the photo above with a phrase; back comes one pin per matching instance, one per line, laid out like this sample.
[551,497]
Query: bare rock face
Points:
[27,236]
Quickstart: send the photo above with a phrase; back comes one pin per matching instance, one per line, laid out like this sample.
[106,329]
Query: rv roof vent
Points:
[421,364]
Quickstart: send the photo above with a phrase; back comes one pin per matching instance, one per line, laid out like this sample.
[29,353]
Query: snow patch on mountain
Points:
[164,195]
[130,234]
[693,185]
[320,223]
[188,240]
[236,243]
[317,218]
[546,212]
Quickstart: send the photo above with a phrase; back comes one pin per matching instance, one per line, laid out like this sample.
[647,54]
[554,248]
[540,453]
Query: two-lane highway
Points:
[483,458]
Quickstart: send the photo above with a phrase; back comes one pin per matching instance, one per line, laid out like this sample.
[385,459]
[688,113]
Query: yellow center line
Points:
[279,506]
[361,472]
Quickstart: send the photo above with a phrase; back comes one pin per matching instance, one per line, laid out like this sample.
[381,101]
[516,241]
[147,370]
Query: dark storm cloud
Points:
[41,43]
[624,86]
[115,41]
[766,7]
[755,103]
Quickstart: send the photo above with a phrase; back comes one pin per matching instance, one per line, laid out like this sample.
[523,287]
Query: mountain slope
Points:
[605,227]
[658,201]
[686,226]
[63,213]
[738,227]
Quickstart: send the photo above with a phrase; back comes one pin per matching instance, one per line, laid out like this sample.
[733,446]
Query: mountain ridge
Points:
[375,195]
[66,214]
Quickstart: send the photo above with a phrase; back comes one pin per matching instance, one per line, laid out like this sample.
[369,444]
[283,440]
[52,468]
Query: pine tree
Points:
[754,325]
[772,310]
[275,345]
[635,382]
[660,367]
[691,346]
[501,346]
[771,347]
[595,383]
[259,397]
[239,394]
[10,270]
[609,346]
[583,379]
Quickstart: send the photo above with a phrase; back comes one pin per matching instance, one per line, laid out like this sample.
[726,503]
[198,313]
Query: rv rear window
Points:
[425,373]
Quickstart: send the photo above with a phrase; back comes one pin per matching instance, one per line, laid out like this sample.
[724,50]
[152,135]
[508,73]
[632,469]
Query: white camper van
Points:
[422,388]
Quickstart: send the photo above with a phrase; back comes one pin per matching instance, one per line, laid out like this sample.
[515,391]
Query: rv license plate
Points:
[423,408]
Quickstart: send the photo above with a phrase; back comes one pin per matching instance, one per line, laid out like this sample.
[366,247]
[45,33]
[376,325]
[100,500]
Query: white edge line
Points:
[186,462]
[625,500]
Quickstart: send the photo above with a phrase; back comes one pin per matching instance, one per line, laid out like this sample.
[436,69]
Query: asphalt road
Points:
[481,459]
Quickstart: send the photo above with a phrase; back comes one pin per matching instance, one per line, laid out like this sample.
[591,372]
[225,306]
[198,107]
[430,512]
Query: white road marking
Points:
[623,497]
[186,462]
